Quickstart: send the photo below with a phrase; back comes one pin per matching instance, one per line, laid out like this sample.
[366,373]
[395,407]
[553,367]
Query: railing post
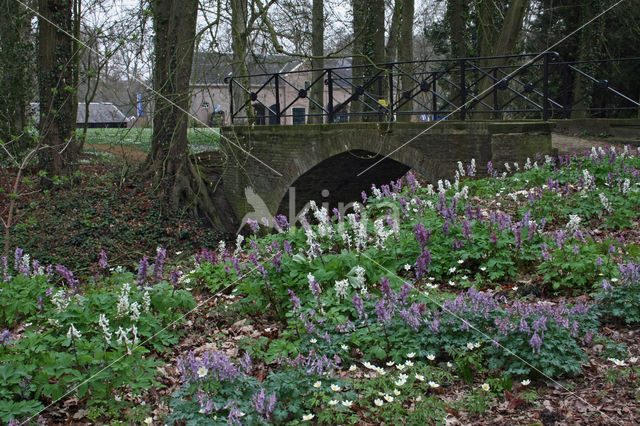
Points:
[330,100]
[495,91]
[232,112]
[434,98]
[392,117]
[278,99]
[546,113]
[463,89]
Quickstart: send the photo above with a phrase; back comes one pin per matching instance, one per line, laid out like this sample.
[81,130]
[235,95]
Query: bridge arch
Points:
[334,181]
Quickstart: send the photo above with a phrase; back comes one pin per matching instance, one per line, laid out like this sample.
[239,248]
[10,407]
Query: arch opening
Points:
[334,182]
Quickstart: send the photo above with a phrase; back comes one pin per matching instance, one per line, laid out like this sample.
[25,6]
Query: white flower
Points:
[202,371]
[333,402]
[433,384]
[378,402]
[317,384]
[633,359]
[525,382]
[314,340]
[483,268]
[399,382]
[148,420]
[452,269]
[619,362]
[476,345]
[407,267]
[411,354]
[344,347]
[419,377]
[73,332]
[396,392]
[146,301]
[342,286]
[390,363]
[368,365]
[347,403]
[400,367]
[103,322]
[239,240]
[460,261]
[307,417]
[335,388]
[408,363]
[388,398]
[134,309]
[485,387]
[352,368]
[431,357]
[470,346]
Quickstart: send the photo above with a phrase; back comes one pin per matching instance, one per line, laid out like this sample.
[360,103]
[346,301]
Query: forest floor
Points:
[591,398]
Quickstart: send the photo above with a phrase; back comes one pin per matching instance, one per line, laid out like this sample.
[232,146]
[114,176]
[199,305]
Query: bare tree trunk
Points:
[55,62]
[317,62]
[179,182]
[391,50]
[502,44]
[457,12]
[16,51]
[368,48]
[405,53]
[240,48]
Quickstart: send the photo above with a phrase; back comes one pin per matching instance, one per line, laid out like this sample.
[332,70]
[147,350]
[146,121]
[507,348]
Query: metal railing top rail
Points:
[476,85]
[385,65]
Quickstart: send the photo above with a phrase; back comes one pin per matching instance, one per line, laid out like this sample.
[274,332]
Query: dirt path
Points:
[569,144]
[124,152]
[564,143]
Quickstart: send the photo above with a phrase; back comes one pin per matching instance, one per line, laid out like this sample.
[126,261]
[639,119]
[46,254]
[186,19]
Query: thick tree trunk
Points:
[240,48]
[57,120]
[500,44]
[368,48]
[457,12]
[16,83]
[317,51]
[180,183]
[405,53]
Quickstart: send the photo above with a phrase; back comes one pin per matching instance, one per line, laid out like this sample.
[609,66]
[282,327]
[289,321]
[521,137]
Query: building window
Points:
[298,115]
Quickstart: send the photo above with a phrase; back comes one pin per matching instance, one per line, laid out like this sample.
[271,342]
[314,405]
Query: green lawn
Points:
[200,139]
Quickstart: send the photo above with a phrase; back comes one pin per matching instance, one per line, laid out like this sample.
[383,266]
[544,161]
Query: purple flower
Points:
[295,301]
[386,287]
[422,264]
[5,338]
[143,270]
[287,247]
[102,262]
[384,314]
[263,405]
[157,266]
[17,258]
[68,277]
[535,342]
[422,234]
[253,225]
[5,269]
[359,305]
[281,223]
[364,197]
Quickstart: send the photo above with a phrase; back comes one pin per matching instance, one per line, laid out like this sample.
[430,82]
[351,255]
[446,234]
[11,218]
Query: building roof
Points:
[99,112]
[212,68]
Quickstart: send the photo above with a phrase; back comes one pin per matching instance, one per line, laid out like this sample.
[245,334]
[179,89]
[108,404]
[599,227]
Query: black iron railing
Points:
[528,86]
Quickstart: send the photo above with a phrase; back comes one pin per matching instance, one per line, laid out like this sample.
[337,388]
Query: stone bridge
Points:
[324,162]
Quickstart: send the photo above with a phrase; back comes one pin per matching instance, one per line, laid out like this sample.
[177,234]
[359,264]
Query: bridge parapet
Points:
[324,162]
